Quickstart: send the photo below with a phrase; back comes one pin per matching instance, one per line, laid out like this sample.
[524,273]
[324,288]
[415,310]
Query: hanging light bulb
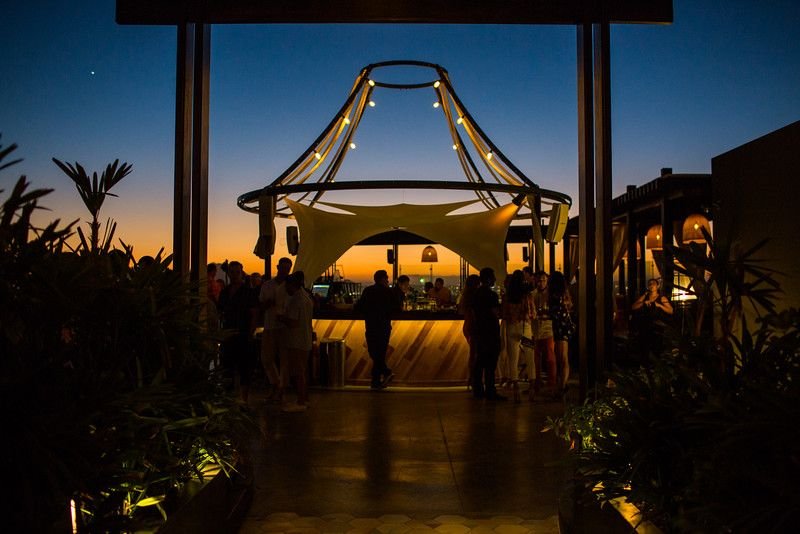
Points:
[347,120]
[460,120]
[436,104]
[372,103]
[371,83]
[352,145]
[455,147]
[489,156]
[317,155]
[436,84]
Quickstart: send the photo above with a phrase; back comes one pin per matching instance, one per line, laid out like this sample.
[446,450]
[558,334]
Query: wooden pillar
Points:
[200,116]
[667,234]
[602,167]
[181,209]
[642,264]
[633,263]
[565,258]
[586,314]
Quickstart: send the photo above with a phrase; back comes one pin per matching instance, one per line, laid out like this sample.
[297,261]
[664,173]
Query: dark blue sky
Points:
[724,73]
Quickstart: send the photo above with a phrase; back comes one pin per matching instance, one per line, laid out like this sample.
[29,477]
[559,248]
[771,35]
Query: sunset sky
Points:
[76,86]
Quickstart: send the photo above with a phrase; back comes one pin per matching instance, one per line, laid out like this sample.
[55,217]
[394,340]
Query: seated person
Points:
[401,289]
[441,294]
[428,290]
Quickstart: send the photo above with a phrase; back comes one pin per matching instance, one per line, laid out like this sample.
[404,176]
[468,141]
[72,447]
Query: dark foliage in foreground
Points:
[103,376]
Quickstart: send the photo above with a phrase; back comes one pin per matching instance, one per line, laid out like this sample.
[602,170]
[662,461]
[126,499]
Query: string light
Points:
[436,104]
[371,83]
[352,145]
[455,147]
[317,155]
[347,120]
[372,103]
[489,156]
[460,120]
[436,84]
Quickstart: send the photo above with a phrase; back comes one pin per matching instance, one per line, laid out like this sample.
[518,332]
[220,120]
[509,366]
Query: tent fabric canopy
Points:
[477,237]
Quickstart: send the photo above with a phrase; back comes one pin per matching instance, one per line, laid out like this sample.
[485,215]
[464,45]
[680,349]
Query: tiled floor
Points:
[406,461]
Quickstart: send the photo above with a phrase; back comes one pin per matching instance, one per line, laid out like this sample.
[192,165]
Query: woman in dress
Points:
[560,309]
[515,312]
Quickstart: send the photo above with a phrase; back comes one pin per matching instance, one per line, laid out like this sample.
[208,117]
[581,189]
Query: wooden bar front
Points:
[425,348]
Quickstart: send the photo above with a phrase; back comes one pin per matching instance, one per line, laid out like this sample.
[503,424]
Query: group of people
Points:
[531,310]
[285,309]
[535,312]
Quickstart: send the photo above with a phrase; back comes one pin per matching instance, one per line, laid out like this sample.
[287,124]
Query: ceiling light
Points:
[455,147]
[346,120]
[460,120]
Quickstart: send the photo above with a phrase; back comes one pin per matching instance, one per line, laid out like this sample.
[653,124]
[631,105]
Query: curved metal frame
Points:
[364,86]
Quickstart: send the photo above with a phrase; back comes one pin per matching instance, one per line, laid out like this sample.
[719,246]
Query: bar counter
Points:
[426,348]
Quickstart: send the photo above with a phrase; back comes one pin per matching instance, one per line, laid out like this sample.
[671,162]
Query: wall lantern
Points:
[652,240]
[693,228]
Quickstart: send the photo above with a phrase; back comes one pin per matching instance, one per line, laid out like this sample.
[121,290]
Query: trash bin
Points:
[332,354]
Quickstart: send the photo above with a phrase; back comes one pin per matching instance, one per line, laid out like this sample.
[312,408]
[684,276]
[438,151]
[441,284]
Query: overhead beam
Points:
[175,12]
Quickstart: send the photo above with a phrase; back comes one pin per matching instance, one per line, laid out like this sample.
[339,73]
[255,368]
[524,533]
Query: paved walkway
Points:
[406,461]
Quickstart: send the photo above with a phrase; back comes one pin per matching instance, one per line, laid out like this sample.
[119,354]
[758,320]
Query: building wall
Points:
[756,189]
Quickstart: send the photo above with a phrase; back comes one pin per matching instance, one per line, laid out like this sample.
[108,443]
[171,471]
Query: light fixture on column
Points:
[652,240]
[693,229]
[429,255]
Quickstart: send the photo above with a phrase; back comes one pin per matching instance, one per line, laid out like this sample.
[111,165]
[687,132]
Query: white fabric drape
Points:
[477,237]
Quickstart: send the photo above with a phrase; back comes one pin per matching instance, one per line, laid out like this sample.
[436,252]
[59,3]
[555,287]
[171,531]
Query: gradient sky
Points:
[76,86]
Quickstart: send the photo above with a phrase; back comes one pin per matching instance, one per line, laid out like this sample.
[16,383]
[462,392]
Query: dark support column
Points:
[633,270]
[602,161]
[668,268]
[395,262]
[552,257]
[565,258]
[642,264]
[199,254]
[181,209]
[586,315]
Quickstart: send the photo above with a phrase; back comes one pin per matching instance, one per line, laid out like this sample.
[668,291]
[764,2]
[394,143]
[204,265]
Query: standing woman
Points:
[653,308]
[465,308]
[560,308]
[515,312]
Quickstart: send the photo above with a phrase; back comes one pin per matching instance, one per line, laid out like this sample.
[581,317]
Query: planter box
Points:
[214,506]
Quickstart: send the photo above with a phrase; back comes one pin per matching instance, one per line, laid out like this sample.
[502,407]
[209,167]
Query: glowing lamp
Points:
[455,147]
[693,228]
[460,120]
[317,155]
[489,156]
[371,83]
[372,103]
[653,238]
[429,255]
[352,145]
[436,84]
[346,120]
[436,104]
